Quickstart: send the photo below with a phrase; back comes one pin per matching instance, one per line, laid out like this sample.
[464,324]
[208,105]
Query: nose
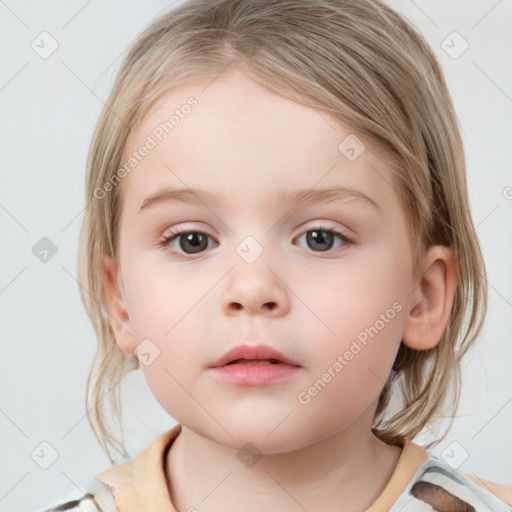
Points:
[256,289]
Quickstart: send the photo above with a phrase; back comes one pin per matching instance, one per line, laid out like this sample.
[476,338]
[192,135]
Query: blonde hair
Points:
[369,68]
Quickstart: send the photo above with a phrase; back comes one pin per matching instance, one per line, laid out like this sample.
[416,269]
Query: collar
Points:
[140,485]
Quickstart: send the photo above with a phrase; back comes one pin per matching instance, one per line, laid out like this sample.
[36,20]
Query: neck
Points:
[347,470]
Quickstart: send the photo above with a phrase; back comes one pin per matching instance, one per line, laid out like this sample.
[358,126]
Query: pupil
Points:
[197,242]
[322,241]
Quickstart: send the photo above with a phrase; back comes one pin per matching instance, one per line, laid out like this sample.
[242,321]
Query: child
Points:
[309,152]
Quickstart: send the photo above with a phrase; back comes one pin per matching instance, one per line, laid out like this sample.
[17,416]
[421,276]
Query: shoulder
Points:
[98,498]
[504,492]
[86,503]
[438,485]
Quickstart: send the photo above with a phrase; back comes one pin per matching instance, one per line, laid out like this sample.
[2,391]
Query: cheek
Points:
[160,301]
[167,320]
[350,368]
[360,318]
[178,359]
[359,296]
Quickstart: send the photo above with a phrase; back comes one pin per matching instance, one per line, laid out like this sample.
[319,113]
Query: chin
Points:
[260,438]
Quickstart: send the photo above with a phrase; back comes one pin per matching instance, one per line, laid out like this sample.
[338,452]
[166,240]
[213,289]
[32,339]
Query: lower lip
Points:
[255,374]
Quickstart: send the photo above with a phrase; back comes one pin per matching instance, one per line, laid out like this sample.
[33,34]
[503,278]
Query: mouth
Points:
[254,361]
[255,371]
[246,354]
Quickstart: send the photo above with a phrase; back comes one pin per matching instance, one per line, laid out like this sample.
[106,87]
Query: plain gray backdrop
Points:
[49,105]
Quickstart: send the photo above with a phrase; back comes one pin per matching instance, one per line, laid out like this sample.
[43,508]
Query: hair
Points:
[370,69]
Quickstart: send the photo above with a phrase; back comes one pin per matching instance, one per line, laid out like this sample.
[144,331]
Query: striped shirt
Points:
[421,482]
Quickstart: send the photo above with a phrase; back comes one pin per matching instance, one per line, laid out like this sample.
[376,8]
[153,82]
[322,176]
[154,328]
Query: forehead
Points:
[232,134]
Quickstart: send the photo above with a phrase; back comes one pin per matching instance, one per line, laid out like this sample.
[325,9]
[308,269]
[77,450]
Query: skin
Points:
[244,144]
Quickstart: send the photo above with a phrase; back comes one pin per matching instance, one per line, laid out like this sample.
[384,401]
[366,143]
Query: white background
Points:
[48,110]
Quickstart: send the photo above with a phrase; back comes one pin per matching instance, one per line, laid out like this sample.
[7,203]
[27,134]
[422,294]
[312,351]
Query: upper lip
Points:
[252,352]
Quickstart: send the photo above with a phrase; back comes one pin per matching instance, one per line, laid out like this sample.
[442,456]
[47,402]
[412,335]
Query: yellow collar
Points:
[140,485]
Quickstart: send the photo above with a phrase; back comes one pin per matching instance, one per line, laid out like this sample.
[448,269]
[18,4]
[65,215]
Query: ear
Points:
[430,302]
[116,307]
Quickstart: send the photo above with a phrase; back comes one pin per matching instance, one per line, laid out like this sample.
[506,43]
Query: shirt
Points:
[421,482]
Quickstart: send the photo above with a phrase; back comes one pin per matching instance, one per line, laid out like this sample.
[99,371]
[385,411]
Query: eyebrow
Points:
[301,196]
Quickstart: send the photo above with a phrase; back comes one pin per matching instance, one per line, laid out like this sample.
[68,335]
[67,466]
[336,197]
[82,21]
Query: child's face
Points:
[339,308]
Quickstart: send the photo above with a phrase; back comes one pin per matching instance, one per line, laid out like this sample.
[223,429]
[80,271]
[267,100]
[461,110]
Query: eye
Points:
[322,239]
[182,243]
[190,242]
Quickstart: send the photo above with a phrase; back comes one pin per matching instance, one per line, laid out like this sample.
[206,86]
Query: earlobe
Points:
[116,307]
[430,302]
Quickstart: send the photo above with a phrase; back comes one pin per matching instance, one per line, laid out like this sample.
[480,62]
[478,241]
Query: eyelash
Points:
[165,243]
